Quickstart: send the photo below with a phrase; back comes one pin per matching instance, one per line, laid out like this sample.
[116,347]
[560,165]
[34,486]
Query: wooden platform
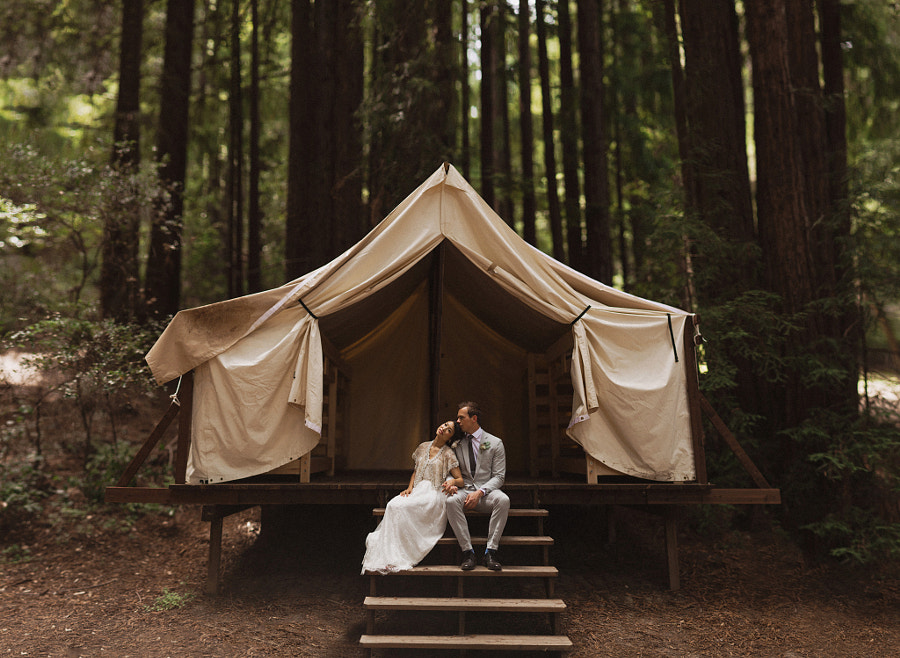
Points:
[374,488]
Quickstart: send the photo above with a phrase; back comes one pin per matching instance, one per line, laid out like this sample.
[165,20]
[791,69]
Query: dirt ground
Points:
[88,588]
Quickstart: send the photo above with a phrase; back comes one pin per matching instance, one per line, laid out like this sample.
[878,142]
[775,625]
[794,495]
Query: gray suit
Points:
[489,475]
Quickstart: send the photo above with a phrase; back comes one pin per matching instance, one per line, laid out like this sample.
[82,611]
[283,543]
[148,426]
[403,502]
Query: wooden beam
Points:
[142,454]
[215,556]
[554,415]
[671,517]
[533,447]
[693,390]
[369,493]
[732,442]
[186,398]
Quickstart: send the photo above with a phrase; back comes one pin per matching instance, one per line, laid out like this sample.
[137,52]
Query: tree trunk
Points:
[679,104]
[445,78]
[347,182]
[119,274]
[598,252]
[717,144]
[783,211]
[254,216]
[569,138]
[235,245]
[465,100]
[526,125]
[501,108]
[302,235]
[836,130]
[556,231]
[488,114]
[163,279]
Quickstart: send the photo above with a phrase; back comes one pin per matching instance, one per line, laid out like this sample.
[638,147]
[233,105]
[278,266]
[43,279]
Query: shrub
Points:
[23,490]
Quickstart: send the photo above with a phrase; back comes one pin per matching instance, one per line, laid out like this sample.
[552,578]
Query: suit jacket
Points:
[490,473]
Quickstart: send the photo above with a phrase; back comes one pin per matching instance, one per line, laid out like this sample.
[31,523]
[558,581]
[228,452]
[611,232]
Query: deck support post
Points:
[671,517]
[215,555]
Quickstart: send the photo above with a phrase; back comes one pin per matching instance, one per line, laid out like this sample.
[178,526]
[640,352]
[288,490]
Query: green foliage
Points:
[858,535]
[97,364]
[105,355]
[52,214]
[169,600]
[24,487]
[103,468]
[15,554]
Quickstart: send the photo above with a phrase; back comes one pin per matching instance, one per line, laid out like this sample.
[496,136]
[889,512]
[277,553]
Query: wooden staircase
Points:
[463,605]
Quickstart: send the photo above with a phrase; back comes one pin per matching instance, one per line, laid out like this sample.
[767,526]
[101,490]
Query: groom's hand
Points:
[449,488]
[473,498]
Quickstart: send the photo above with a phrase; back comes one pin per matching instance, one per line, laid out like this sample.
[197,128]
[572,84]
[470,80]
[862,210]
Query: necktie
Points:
[472,459]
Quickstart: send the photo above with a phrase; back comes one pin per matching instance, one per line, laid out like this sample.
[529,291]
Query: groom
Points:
[482,460]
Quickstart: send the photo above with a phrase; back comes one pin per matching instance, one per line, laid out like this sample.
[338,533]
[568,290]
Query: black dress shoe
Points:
[491,562]
[468,562]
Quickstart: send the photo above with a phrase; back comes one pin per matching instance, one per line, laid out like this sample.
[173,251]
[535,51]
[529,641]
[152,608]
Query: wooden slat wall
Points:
[549,409]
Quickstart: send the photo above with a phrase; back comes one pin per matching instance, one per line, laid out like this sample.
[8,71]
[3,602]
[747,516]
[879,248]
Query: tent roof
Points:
[258,358]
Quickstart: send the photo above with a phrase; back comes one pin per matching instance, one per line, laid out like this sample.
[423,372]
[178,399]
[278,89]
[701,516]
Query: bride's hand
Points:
[405,492]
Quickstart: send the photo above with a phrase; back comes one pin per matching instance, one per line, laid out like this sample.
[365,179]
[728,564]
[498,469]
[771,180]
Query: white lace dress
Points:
[412,524]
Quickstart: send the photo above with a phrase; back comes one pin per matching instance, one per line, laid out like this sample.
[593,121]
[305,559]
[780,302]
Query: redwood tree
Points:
[163,278]
[119,274]
[553,208]
[598,248]
[568,130]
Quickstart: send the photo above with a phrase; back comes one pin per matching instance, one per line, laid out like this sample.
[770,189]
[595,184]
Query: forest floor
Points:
[108,581]
[89,586]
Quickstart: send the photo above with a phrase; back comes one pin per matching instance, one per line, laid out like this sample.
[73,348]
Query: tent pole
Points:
[435,315]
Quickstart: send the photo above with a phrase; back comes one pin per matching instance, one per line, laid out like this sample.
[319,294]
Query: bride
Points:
[415,520]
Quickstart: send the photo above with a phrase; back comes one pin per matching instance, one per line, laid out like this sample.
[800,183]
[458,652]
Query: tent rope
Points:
[580,315]
[306,308]
[672,336]
[174,396]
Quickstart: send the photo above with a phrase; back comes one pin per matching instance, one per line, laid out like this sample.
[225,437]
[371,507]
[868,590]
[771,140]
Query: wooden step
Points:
[454,570]
[513,511]
[479,642]
[463,604]
[511,540]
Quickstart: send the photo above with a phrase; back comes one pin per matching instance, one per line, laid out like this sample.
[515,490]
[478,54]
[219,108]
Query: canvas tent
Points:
[441,302]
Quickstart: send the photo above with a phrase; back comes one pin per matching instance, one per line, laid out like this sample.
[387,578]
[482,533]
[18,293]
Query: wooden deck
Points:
[374,488]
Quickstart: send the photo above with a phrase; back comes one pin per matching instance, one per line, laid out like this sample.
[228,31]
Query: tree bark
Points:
[715,116]
[526,124]
[235,233]
[347,180]
[163,278]
[598,251]
[795,268]
[836,130]
[488,95]
[569,139]
[254,214]
[303,235]
[119,273]
[501,108]
[553,207]
[466,93]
